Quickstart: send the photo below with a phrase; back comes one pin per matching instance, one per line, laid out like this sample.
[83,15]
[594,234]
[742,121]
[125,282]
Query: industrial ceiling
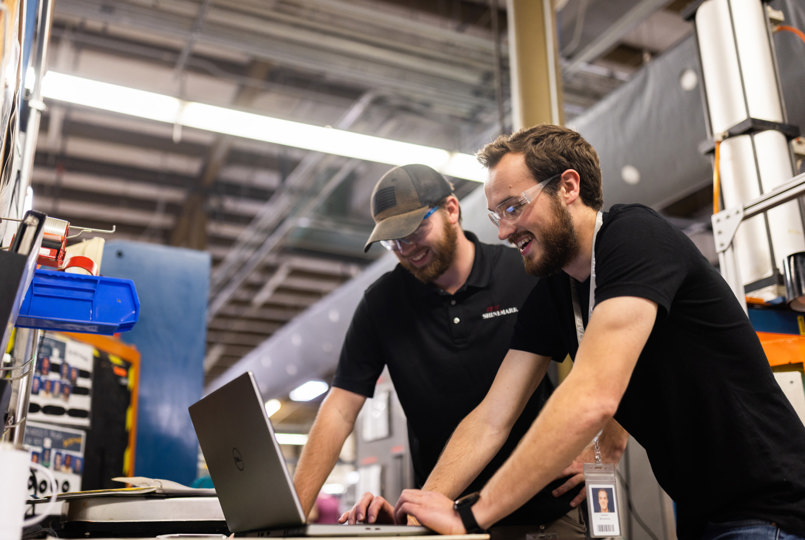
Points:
[285,226]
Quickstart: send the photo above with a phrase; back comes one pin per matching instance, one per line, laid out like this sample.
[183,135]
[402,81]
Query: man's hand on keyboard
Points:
[369,509]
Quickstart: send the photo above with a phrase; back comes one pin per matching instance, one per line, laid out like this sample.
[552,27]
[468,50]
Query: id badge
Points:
[602,500]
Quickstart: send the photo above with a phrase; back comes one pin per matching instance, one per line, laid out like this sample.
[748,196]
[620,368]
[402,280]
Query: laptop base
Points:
[321,530]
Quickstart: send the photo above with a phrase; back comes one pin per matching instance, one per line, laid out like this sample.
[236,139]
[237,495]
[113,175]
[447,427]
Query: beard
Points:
[444,252]
[558,241]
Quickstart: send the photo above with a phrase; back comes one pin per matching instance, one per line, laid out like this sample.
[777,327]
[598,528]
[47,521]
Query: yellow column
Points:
[535,71]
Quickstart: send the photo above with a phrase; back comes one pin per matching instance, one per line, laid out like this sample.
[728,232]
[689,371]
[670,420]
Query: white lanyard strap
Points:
[599,219]
[574,296]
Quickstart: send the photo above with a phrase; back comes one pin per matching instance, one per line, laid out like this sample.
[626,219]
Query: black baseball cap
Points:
[402,198]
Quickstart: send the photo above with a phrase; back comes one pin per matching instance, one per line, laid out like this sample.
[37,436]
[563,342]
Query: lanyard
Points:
[574,296]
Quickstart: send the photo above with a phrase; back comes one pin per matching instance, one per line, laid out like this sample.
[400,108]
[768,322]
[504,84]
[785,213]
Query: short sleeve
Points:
[361,360]
[639,254]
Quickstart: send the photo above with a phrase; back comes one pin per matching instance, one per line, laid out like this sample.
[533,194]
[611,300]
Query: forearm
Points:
[469,450]
[317,460]
[334,422]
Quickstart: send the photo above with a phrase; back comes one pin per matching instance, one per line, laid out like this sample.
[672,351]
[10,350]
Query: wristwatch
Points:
[463,506]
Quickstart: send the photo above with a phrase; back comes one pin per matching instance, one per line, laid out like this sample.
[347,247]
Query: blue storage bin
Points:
[79,303]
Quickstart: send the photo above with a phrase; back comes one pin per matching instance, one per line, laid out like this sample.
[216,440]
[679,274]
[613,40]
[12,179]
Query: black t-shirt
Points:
[443,352]
[722,439]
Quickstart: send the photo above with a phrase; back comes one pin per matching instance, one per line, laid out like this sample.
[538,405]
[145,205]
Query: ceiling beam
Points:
[607,40]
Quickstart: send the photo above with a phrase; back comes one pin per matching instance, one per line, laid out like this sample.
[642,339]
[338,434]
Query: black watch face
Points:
[467,500]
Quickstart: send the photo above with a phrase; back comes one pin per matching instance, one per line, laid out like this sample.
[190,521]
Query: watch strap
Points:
[464,508]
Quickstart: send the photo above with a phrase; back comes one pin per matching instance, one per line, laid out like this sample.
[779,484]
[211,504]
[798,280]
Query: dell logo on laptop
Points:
[238,459]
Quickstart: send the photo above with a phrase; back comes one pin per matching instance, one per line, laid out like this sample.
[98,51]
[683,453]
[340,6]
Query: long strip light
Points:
[171,110]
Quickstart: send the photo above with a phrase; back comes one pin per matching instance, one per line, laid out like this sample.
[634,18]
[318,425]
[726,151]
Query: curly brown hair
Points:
[550,150]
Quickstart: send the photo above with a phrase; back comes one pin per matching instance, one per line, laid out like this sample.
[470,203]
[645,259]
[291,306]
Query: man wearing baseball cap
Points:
[440,321]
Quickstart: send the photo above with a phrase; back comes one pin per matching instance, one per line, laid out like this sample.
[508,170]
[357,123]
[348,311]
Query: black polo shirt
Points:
[443,352]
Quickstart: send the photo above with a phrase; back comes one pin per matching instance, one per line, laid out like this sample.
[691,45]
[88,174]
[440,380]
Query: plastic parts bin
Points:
[79,303]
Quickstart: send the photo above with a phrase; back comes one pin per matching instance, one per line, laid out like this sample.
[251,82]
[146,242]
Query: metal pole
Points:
[26,345]
[35,103]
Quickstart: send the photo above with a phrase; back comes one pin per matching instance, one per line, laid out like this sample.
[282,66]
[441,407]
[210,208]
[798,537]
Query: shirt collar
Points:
[481,273]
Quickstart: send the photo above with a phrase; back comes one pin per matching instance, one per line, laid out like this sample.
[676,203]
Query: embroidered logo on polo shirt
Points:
[496,311]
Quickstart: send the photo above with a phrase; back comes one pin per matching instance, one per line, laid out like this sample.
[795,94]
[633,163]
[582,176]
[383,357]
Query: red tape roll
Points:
[79,264]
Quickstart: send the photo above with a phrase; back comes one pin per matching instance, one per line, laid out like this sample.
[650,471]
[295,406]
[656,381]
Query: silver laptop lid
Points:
[244,458]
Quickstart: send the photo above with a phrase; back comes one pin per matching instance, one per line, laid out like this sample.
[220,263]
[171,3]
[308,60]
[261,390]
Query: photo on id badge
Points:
[604,512]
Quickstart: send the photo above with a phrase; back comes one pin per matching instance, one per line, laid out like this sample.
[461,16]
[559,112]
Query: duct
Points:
[651,126]
[647,134]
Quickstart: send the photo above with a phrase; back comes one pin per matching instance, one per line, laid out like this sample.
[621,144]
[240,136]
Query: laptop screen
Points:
[244,459]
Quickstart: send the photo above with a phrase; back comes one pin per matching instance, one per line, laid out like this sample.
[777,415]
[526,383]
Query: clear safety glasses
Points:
[510,209]
[401,243]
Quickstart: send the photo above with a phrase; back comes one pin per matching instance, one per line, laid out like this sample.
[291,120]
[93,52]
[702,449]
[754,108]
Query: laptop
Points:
[249,472]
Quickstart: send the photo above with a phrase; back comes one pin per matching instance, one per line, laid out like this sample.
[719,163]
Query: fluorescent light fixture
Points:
[308,390]
[272,406]
[463,166]
[110,97]
[292,439]
[162,108]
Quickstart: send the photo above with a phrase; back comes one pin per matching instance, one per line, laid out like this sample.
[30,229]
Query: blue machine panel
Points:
[778,321]
[173,286]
